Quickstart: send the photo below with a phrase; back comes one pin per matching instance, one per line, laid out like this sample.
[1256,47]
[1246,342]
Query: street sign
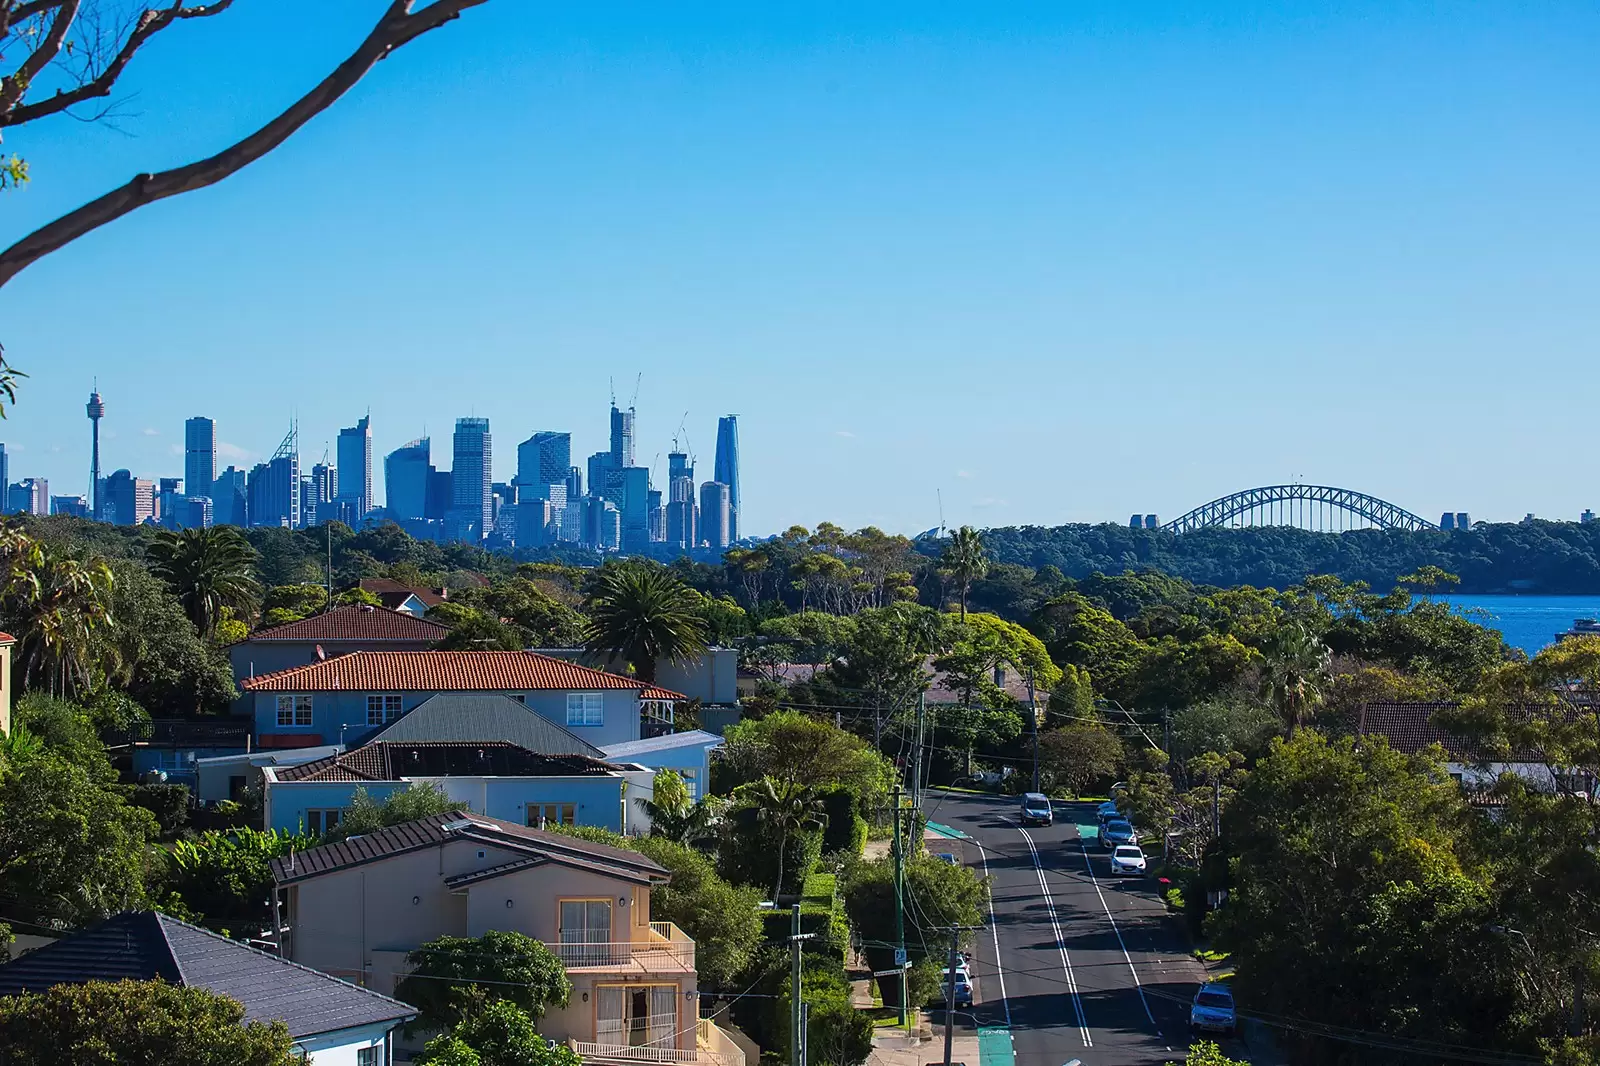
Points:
[900,957]
[886,973]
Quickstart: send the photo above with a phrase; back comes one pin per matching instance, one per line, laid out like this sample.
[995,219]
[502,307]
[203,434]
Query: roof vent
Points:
[458,825]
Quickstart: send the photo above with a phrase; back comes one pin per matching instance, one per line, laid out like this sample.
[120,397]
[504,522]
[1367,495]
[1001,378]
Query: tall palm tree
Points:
[789,811]
[209,569]
[643,614]
[964,561]
[1298,666]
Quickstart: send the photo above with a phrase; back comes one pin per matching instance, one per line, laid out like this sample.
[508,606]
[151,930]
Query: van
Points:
[1036,809]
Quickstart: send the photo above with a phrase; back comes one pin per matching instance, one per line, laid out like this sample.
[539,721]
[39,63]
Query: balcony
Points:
[664,949]
[713,1047]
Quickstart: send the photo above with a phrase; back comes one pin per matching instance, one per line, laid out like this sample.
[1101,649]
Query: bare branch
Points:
[10,14]
[12,88]
[150,23]
[399,26]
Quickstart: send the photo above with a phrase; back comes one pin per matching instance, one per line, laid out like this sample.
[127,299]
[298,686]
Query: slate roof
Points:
[481,717]
[689,738]
[363,623]
[440,671]
[394,761]
[435,829]
[142,946]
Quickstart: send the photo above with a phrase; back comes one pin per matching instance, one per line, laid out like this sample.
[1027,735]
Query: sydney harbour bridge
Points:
[1315,507]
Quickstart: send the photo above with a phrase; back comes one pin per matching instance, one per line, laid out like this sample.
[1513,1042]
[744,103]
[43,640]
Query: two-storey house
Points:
[488,776]
[329,635]
[338,700]
[357,908]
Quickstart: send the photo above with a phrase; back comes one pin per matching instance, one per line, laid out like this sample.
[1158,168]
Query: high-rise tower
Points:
[471,479]
[727,469]
[97,411]
[199,456]
[355,466]
[621,437]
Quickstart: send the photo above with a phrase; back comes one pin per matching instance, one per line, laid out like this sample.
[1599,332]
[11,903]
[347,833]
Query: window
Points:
[173,760]
[585,708]
[552,814]
[690,783]
[367,1056]
[321,820]
[294,710]
[520,697]
[585,932]
[637,1016]
[381,710]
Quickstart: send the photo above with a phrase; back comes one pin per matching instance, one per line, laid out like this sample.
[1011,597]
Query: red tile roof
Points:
[392,593]
[656,692]
[441,671]
[7,638]
[356,623]
[1410,727]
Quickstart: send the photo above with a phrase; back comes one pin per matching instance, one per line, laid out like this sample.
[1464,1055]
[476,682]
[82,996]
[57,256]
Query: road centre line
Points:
[1089,868]
[1061,942]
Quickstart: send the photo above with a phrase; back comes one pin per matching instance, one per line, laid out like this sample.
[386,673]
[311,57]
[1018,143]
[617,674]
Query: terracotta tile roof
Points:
[394,760]
[438,671]
[7,638]
[1410,727]
[392,593]
[656,692]
[437,828]
[355,623]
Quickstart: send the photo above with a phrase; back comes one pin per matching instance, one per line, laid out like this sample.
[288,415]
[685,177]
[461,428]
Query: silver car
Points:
[1116,833]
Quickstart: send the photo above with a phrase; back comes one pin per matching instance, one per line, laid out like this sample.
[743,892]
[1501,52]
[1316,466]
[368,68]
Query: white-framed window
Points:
[294,710]
[367,1056]
[383,709]
[586,708]
[690,783]
[321,820]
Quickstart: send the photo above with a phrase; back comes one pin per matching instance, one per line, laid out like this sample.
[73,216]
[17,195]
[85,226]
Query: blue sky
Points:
[1061,262]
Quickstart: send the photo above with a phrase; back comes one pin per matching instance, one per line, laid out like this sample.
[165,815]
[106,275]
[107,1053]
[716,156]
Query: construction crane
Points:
[633,403]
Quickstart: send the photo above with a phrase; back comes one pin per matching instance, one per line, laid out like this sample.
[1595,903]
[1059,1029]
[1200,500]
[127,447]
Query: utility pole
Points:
[916,756]
[1033,712]
[950,991]
[805,1033]
[899,907]
[796,1025]
[1216,809]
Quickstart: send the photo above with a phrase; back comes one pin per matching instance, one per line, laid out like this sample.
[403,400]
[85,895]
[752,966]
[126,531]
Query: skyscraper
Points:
[621,437]
[324,483]
[472,479]
[544,458]
[168,492]
[715,514]
[5,479]
[97,410]
[128,500]
[199,455]
[273,488]
[355,466]
[31,495]
[228,498]
[726,470]
[635,508]
[405,479]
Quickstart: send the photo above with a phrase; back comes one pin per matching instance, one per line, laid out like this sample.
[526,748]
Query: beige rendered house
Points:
[356,908]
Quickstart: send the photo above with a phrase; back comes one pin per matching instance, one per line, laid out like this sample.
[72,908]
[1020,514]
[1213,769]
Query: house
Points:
[406,598]
[328,635]
[173,747]
[478,717]
[226,777]
[710,680]
[331,701]
[493,777]
[1411,727]
[332,1022]
[688,754]
[7,642]
[357,909]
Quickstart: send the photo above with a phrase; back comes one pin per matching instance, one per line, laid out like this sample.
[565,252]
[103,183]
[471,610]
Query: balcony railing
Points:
[665,949]
[714,1048]
[714,1041]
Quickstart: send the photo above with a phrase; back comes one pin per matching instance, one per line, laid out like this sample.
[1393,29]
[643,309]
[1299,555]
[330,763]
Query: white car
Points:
[1127,859]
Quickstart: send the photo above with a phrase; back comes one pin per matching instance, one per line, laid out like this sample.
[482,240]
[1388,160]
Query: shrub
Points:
[847,830]
[169,803]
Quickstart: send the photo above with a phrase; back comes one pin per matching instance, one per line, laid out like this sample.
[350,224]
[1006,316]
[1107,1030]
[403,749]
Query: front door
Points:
[585,932]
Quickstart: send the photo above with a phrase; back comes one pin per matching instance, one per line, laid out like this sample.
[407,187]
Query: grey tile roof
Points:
[141,945]
[482,717]
[437,828]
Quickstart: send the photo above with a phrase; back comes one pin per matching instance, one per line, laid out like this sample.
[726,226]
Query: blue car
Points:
[1212,1010]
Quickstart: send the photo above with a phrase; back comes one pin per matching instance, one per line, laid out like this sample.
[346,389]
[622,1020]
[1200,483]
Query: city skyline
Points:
[942,245]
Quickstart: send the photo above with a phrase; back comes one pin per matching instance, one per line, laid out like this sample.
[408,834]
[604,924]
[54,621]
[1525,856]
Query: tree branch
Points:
[10,14]
[12,88]
[399,26]
[150,23]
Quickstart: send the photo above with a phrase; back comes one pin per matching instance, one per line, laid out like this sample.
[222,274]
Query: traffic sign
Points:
[900,957]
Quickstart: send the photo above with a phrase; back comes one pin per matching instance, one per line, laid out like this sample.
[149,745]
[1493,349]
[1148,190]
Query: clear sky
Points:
[1062,261]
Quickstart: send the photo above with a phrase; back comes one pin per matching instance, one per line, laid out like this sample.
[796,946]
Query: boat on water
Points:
[1581,627]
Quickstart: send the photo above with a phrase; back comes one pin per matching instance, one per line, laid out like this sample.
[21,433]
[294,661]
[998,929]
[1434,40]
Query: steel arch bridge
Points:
[1313,506]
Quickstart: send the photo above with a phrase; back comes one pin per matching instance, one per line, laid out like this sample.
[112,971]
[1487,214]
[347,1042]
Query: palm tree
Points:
[789,811]
[58,605]
[964,561]
[1298,665]
[674,816]
[643,614]
[209,569]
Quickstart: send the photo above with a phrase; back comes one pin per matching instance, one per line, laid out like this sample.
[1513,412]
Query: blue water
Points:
[1529,622]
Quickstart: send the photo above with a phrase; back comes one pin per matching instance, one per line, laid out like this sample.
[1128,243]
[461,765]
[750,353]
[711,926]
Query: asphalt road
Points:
[1077,963]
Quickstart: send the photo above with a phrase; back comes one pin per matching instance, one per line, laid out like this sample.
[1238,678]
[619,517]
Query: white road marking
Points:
[994,931]
[1061,942]
[1095,881]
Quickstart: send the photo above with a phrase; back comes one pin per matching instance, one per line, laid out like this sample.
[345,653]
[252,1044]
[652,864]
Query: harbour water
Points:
[1528,622]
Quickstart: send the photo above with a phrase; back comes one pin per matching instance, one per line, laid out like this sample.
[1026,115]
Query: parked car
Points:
[1212,1010]
[1108,809]
[963,987]
[1127,860]
[1116,833]
[1036,809]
